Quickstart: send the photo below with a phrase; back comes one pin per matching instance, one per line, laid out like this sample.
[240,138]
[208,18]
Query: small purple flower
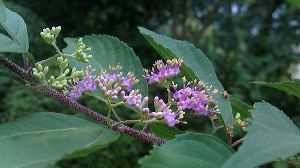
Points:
[136,99]
[112,81]
[128,81]
[170,117]
[85,85]
[162,111]
[159,104]
[194,98]
[161,71]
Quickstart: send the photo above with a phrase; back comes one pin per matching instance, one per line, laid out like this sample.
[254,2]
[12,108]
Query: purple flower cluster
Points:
[136,99]
[112,82]
[164,111]
[161,71]
[85,85]
[194,98]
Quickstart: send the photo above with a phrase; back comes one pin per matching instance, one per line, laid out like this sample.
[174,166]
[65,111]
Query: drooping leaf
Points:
[107,50]
[240,107]
[271,136]
[290,87]
[196,65]
[14,25]
[190,150]
[164,131]
[41,139]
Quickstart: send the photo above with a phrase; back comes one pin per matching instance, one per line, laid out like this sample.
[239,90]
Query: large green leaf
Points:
[15,27]
[270,136]
[290,87]
[196,65]
[107,50]
[41,139]
[190,150]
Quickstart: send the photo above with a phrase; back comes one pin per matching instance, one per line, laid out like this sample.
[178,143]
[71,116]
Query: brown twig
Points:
[30,80]
[237,142]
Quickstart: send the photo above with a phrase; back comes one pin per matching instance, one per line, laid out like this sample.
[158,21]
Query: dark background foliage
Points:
[246,41]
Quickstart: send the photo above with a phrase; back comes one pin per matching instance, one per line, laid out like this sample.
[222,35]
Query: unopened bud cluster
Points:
[40,72]
[66,76]
[50,35]
[61,80]
[81,51]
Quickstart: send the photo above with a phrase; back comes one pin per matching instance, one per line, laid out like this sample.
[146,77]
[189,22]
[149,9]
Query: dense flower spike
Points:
[87,84]
[161,71]
[194,96]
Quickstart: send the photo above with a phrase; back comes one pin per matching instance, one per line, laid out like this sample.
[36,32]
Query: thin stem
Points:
[237,142]
[108,116]
[229,140]
[146,127]
[57,49]
[167,85]
[214,128]
[26,63]
[137,121]
[117,104]
[47,60]
[128,122]
[116,115]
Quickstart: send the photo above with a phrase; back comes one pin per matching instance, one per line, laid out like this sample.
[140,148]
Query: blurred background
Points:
[246,40]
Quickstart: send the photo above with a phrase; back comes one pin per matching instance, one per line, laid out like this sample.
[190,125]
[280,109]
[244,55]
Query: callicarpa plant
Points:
[103,68]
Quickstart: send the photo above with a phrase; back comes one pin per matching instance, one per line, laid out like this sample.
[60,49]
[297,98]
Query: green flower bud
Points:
[55,31]
[46,70]
[51,80]
[37,75]
[39,67]
[34,70]
[73,70]
[77,74]
[67,71]
[61,77]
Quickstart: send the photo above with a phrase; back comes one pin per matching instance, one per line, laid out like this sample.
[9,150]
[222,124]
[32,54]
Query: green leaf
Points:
[41,139]
[15,28]
[107,50]
[290,87]
[164,131]
[196,65]
[240,107]
[190,150]
[271,136]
